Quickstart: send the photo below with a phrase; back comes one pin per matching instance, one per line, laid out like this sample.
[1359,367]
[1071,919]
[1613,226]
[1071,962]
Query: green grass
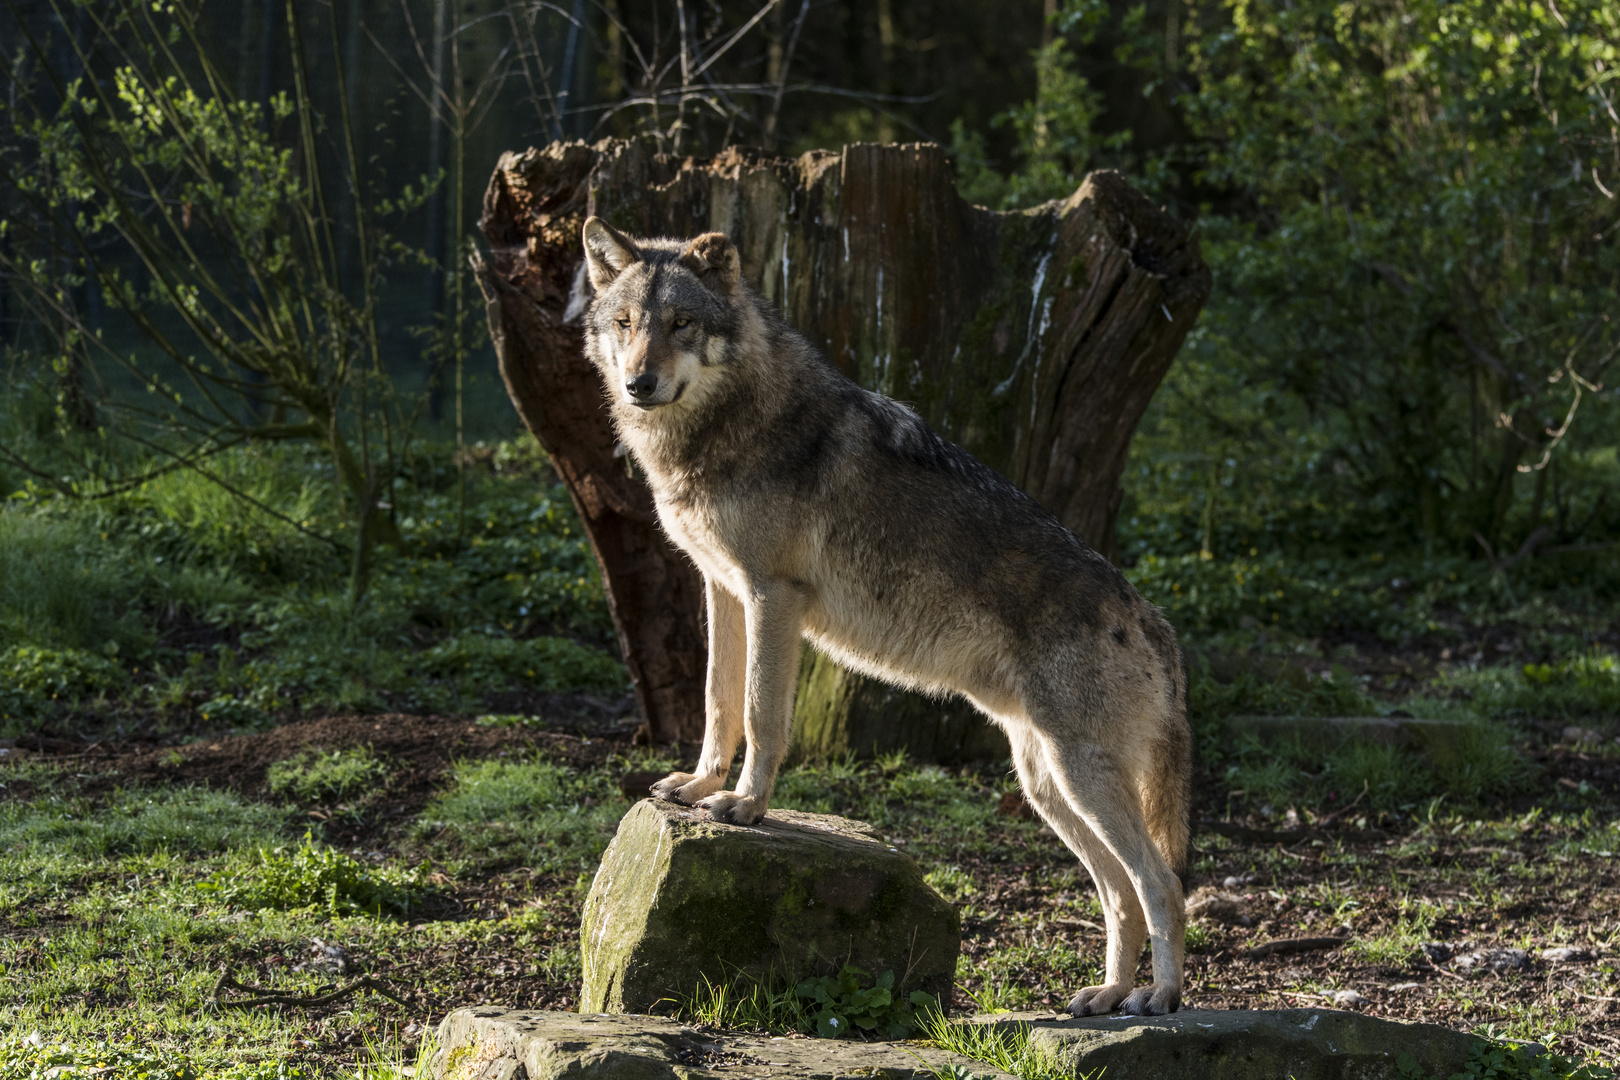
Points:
[312,876]
[1001,1046]
[500,595]
[537,814]
[1472,766]
[321,775]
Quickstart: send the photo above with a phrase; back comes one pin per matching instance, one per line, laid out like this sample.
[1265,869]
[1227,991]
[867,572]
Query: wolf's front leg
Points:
[723,701]
[774,612]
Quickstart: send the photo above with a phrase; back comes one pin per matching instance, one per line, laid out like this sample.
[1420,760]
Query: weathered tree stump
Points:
[1034,339]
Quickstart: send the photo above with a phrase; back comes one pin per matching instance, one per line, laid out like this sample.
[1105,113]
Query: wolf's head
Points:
[664,315]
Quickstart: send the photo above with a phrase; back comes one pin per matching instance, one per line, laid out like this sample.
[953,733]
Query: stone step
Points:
[1301,1044]
[1305,1044]
[521,1044]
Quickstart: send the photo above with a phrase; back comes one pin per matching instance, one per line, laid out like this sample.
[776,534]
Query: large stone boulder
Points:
[680,898]
[520,1044]
[1301,1044]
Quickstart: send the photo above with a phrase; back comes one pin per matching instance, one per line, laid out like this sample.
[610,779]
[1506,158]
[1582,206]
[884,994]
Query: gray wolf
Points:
[818,510]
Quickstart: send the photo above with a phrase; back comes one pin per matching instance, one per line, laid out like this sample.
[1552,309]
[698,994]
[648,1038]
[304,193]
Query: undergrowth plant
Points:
[312,774]
[1006,1047]
[313,875]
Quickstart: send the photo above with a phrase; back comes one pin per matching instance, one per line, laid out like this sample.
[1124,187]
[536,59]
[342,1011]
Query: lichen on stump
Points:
[680,898]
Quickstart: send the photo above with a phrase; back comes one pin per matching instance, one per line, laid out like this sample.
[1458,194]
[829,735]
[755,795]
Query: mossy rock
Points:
[680,898]
[1302,1044]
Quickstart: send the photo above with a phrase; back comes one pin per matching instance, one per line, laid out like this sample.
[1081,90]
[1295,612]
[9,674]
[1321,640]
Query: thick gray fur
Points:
[817,510]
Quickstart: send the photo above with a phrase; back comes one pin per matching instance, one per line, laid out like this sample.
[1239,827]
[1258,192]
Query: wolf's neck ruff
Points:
[818,510]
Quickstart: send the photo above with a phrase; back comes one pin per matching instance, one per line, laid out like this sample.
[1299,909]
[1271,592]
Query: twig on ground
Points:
[272,997]
[1293,945]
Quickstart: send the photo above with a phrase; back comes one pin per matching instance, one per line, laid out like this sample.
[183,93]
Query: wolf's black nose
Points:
[642,385]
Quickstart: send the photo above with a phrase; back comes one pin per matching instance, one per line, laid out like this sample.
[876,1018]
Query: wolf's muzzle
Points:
[643,386]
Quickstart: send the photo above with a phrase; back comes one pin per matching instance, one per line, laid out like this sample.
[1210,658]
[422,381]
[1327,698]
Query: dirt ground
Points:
[1522,887]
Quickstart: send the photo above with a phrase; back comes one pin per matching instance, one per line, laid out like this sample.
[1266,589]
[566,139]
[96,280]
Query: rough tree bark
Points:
[1034,339]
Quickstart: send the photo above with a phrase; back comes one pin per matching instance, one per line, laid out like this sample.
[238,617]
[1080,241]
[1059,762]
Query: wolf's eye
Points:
[624,324]
[681,323]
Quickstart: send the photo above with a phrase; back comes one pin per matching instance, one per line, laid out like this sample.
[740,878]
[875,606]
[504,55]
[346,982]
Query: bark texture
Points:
[1034,339]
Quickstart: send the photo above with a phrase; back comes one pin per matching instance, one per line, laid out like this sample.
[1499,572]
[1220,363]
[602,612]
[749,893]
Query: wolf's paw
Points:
[672,788]
[1097,1000]
[1154,999]
[734,809]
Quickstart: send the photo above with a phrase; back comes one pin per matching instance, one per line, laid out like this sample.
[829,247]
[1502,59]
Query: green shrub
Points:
[315,876]
[315,775]
[32,679]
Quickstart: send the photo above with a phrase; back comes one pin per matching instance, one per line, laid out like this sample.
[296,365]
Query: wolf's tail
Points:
[1167,794]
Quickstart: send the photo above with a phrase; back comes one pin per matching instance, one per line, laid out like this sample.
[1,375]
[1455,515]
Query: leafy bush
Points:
[39,675]
[840,1005]
[312,775]
[315,876]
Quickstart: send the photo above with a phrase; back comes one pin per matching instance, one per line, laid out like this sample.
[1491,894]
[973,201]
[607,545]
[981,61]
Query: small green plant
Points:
[1002,1046]
[745,1004]
[1493,1060]
[322,775]
[315,876]
[233,712]
[32,678]
[839,1005]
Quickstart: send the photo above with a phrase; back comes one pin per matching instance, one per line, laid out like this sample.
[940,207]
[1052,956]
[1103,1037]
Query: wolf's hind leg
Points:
[723,702]
[1095,785]
[1127,929]
[774,611]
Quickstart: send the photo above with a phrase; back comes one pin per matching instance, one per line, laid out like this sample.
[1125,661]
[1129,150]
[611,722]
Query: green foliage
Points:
[30,1057]
[230,712]
[315,876]
[32,678]
[480,662]
[744,1004]
[1470,765]
[534,813]
[137,821]
[1583,685]
[839,1005]
[1405,168]
[1002,1046]
[1491,1060]
[314,775]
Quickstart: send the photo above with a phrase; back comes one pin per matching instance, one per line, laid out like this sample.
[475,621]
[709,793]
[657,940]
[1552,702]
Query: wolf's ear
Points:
[607,252]
[713,258]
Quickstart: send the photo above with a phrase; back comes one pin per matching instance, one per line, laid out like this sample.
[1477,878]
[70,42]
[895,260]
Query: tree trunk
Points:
[1034,339]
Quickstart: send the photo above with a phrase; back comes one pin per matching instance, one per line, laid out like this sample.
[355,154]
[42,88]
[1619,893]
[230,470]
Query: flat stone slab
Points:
[1302,1044]
[680,898]
[522,1044]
